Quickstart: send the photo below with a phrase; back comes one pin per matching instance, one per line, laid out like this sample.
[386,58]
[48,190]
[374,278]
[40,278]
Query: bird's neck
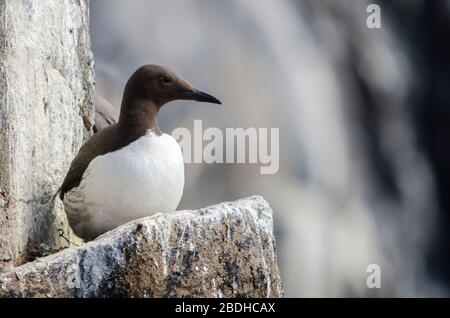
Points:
[137,117]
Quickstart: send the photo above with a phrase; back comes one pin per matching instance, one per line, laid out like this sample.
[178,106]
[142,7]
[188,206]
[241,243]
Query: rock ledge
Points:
[225,250]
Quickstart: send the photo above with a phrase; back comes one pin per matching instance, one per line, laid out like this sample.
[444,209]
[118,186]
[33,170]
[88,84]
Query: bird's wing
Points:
[97,145]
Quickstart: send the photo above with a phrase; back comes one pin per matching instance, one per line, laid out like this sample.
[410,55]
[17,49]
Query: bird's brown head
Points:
[161,85]
[149,88]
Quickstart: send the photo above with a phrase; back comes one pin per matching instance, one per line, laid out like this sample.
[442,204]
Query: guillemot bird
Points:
[130,169]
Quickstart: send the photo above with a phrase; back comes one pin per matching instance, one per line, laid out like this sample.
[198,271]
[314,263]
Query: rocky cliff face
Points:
[46,90]
[225,250]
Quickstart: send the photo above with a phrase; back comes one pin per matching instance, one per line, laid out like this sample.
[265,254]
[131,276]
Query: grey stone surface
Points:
[46,91]
[225,250]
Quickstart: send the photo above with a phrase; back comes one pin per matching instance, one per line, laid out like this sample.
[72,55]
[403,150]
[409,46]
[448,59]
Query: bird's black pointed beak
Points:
[200,96]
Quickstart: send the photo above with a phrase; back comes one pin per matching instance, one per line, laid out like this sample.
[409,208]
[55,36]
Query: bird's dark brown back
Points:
[102,142]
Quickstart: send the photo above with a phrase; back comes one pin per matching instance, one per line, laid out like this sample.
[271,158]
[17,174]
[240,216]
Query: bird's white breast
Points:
[140,179]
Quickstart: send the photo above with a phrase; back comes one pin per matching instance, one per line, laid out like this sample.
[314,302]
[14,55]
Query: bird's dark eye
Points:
[166,79]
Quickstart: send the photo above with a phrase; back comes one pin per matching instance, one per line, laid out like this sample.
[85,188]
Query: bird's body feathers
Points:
[140,179]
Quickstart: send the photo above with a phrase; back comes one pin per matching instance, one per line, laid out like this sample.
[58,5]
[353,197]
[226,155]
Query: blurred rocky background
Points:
[363,115]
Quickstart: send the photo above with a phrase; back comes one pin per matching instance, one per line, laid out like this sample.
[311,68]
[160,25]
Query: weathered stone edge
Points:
[25,281]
